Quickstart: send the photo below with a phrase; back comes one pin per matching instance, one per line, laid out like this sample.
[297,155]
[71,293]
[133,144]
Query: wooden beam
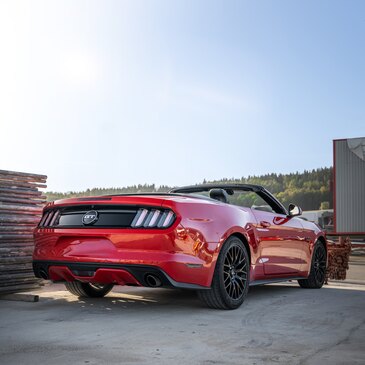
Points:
[23,174]
[20,297]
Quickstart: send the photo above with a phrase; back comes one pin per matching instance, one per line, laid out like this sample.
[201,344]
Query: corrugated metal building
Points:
[349,186]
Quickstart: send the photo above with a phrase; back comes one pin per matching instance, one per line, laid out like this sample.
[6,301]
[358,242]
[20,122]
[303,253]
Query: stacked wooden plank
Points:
[21,206]
[338,259]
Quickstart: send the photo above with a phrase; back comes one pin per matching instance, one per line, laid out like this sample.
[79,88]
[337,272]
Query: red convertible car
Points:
[216,239]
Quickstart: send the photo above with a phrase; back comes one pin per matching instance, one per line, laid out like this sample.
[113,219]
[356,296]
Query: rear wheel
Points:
[89,290]
[231,277]
[317,273]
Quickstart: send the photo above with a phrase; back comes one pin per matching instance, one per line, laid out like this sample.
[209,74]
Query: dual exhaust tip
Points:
[152,280]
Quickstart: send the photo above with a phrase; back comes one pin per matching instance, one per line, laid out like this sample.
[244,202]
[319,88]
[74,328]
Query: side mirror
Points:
[294,210]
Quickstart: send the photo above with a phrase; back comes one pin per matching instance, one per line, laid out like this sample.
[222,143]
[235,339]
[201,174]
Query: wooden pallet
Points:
[21,205]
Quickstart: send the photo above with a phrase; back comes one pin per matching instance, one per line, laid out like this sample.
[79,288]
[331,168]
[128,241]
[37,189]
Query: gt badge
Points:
[90,217]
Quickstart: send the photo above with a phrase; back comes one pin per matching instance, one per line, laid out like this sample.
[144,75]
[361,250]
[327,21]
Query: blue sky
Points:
[113,93]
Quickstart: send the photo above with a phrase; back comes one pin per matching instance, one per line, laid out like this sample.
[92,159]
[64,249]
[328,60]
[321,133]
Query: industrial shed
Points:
[349,186]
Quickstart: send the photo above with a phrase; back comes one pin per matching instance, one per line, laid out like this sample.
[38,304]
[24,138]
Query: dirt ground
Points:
[356,272]
[277,324]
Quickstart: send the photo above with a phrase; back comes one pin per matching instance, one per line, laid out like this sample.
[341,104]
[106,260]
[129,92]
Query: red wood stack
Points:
[338,259]
[21,206]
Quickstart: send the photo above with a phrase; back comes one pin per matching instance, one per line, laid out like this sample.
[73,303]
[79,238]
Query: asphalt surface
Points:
[277,324]
[356,272]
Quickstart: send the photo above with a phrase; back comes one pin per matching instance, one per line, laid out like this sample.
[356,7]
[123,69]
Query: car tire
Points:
[231,277]
[317,274]
[88,290]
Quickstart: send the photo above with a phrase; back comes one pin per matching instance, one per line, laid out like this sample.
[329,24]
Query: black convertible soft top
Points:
[230,188]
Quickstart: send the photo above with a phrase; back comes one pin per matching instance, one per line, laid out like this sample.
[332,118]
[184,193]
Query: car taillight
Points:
[153,218]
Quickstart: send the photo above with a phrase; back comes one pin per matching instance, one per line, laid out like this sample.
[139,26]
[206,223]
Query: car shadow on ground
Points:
[129,298]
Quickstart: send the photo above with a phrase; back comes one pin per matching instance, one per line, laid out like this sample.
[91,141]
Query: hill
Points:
[309,189]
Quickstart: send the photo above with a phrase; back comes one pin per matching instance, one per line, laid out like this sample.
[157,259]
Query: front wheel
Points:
[317,274]
[88,290]
[231,277]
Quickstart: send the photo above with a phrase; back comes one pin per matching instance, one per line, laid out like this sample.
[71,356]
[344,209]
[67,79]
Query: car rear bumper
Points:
[120,255]
[119,274]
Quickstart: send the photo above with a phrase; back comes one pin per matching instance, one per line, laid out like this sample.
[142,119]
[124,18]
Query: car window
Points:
[251,200]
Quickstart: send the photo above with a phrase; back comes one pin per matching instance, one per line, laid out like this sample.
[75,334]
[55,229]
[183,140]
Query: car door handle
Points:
[265,224]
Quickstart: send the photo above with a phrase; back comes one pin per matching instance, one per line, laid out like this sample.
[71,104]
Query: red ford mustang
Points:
[216,239]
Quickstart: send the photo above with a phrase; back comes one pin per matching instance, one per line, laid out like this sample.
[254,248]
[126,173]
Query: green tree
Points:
[308,189]
[324,206]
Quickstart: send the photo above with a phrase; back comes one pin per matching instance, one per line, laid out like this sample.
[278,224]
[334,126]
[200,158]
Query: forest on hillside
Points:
[310,190]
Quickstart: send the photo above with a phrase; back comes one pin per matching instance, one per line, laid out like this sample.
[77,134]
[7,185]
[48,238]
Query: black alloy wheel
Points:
[235,271]
[319,265]
[317,274]
[231,277]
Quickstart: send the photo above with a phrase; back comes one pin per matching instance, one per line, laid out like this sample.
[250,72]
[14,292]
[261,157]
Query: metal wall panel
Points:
[349,187]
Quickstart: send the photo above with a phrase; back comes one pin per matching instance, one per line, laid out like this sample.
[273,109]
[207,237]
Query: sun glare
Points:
[80,70]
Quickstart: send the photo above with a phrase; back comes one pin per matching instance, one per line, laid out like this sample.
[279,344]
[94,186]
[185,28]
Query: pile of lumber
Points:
[338,259]
[21,206]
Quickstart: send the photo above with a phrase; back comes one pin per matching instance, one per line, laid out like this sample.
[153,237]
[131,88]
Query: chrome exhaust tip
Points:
[153,281]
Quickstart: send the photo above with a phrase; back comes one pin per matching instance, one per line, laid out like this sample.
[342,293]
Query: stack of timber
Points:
[338,259]
[21,206]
